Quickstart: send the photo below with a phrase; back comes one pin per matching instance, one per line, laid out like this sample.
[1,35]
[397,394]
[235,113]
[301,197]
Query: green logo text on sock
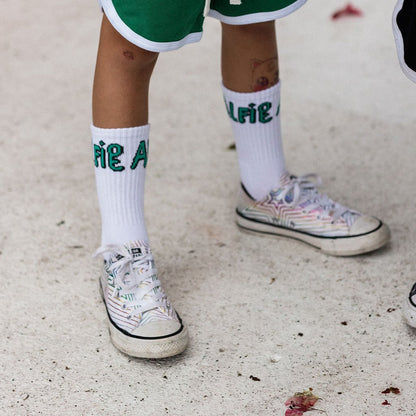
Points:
[109,156]
[253,113]
[141,154]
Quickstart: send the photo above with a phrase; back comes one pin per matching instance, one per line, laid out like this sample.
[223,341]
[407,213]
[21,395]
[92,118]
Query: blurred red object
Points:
[300,403]
[348,10]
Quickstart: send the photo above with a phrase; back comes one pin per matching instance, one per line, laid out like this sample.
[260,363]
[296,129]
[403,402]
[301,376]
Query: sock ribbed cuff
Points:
[120,134]
[263,95]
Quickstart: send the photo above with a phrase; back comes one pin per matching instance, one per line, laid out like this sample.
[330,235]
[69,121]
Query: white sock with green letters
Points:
[120,159]
[255,119]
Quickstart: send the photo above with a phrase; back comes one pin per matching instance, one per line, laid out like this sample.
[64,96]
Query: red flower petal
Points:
[348,10]
[301,401]
[393,390]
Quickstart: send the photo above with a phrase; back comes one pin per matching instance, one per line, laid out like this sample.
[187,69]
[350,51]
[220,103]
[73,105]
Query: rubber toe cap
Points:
[157,329]
[364,225]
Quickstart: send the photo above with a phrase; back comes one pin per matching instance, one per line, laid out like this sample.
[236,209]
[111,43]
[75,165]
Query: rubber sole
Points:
[149,348]
[141,347]
[334,246]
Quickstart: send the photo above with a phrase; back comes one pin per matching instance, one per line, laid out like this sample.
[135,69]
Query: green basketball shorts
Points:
[164,25]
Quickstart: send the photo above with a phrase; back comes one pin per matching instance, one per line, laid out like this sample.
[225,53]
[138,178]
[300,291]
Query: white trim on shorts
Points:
[256,17]
[400,45]
[140,41]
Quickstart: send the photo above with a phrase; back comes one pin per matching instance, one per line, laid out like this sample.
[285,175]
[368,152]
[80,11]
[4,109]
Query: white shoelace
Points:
[305,189]
[130,272]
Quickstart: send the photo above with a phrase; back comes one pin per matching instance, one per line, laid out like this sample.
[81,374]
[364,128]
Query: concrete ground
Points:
[255,306]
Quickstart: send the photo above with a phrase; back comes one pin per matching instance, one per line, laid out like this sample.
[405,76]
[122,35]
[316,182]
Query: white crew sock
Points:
[255,119]
[120,158]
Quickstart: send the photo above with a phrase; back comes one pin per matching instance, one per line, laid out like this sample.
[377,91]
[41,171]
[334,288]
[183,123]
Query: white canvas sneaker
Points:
[142,321]
[298,210]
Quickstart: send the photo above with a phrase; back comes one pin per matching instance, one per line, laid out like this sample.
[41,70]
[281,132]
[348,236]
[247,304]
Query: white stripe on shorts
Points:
[256,17]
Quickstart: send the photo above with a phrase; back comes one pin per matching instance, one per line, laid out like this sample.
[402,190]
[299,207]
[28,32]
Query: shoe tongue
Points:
[136,252]
[138,248]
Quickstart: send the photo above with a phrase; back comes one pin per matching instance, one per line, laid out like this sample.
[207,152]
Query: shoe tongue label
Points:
[136,251]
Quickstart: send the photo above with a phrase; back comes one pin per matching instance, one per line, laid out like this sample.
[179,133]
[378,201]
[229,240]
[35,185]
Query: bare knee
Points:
[122,52]
[135,58]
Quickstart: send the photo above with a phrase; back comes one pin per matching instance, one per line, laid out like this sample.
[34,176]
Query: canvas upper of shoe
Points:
[302,192]
[299,205]
[133,293]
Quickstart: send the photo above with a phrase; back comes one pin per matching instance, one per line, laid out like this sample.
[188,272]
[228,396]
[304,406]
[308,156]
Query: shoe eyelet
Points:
[124,306]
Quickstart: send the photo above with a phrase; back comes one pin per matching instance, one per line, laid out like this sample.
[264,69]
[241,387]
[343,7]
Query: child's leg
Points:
[252,95]
[272,201]
[121,83]
[249,57]
[142,321]
[120,118]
